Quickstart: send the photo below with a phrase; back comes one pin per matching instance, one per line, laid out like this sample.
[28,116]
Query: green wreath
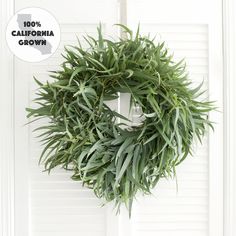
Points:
[85,136]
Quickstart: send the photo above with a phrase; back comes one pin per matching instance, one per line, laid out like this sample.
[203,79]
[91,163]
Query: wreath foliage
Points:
[86,137]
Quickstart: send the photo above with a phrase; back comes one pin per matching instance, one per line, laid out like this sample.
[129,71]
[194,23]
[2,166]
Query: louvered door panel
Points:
[54,205]
[179,207]
[182,206]
[60,206]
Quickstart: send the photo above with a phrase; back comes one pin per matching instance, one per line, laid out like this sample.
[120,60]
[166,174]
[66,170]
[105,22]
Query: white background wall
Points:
[37,204]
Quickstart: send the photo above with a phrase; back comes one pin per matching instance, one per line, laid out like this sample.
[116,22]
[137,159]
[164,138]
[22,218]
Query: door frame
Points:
[229,60]
[229,135]
[7,126]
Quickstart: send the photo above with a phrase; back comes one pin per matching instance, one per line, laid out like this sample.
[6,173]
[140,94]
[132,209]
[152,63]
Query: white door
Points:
[56,206]
[192,30]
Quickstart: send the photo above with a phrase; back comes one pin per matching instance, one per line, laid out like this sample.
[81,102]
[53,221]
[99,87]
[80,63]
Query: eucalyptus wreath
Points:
[85,136]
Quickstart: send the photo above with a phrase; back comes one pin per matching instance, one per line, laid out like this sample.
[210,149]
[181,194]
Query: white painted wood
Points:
[216,138]
[7,127]
[122,15]
[192,29]
[112,221]
[55,205]
[229,24]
